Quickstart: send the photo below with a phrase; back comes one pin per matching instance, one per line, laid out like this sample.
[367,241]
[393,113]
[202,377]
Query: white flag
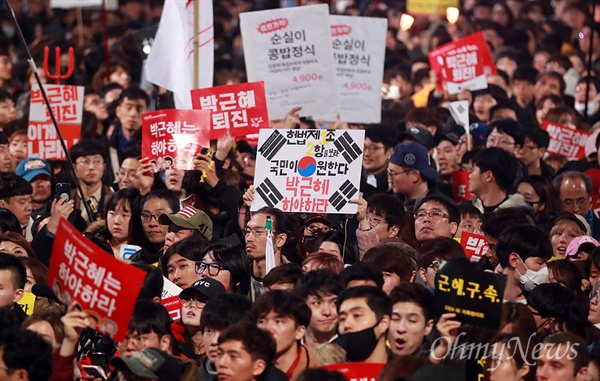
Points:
[171,60]
[460,113]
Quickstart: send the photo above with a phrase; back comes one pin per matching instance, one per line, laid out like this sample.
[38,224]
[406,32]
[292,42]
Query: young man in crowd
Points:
[563,357]
[320,290]
[285,316]
[150,327]
[12,282]
[432,253]
[436,216]
[24,355]
[38,174]
[534,148]
[410,171]
[15,195]
[379,145]
[188,222]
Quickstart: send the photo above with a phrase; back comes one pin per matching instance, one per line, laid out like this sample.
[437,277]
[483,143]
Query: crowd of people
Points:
[343,289]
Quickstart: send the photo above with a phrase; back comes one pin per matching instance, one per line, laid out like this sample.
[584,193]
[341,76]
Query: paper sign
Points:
[473,295]
[429,7]
[287,49]
[565,141]
[173,138]
[80,271]
[27,302]
[241,108]
[169,289]
[475,246]
[461,186]
[66,4]
[308,171]
[358,56]
[67,105]
[357,371]
[127,251]
[463,64]
[460,113]
[170,299]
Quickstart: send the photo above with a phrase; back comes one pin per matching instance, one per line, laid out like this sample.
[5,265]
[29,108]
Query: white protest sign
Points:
[111,5]
[127,251]
[308,171]
[358,55]
[460,113]
[170,289]
[285,48]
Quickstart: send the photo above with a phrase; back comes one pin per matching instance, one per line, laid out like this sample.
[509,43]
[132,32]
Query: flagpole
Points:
[196,44]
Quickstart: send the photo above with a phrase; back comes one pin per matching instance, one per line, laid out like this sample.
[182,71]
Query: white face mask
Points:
[531,279]
[592,104]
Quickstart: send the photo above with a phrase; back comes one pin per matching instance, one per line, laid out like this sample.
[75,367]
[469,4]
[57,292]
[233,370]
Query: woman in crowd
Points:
[228,264]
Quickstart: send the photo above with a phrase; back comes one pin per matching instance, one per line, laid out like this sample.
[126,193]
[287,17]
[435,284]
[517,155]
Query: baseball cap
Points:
[151,363]
[321,219]
[208,287]
[418,134]
[579,220]
[576,245]
[414,155]
[32,167]
[450,136]
[189,218]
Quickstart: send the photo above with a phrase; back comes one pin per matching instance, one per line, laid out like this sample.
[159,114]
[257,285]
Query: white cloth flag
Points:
[171,60]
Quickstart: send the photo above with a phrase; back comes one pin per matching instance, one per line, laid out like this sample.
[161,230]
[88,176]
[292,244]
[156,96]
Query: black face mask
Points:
[309,243]
[358,345]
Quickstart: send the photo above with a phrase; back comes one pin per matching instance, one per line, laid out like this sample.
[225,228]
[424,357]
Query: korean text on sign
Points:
[473,295]
[80,271]
[172,138]
[475,246]
[566,141]
[240,108]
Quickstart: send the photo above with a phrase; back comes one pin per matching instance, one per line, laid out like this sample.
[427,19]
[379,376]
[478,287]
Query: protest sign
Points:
[67,105]
[463,64]
[173,138]
[461,186]
[460,113]
[80,271]
[240,109]
[285,48]
[66,4]
[429,7]
[27,302]
[170,299]
[308,171]
[357,371]
[358,56]
[127,251]
[566,141]
[475,246]
[473,295]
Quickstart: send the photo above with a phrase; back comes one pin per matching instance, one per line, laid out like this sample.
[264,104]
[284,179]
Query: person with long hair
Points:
[120,211]
[537,192]
[228,264]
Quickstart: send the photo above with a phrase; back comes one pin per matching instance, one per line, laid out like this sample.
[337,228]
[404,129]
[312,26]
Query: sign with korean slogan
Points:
[102,284]
[566,141]
[357,371]
[473,295]
[308,171]
[463,64]
[429,7]
[461,186]
[358,56]
[475,246]
[67,105]
[289,50]
[170,299]
[172,138]
[240,109]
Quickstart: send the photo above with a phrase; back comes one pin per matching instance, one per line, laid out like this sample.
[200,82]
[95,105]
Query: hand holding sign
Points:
[74,321]
[145,174]
[448,329]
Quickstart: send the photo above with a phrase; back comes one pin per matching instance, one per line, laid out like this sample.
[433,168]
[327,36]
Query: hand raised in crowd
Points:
[224,146]
[59,208]
[292,118]
[249,196]
[207,166]
[74,321]
[448,329]
[146,175]
[361,213]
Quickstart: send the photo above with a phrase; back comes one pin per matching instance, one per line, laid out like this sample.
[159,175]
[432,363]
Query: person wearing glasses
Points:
[430,256]
[89,160]
[534,148]
[379,145]
[228,264]
[410,172]
[436,216]
[574,190]
[492,178]
[314,228]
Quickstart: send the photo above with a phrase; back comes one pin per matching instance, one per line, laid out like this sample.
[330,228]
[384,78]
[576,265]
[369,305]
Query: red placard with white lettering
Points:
[240,108]
[463,64]
[81,271]
[475,246]
[173,138]
[67,105]
[173,306]
[566,141]
[461,186]
[357,371]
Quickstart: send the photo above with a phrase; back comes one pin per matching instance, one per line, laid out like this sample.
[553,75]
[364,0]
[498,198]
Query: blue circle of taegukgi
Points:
[307,166]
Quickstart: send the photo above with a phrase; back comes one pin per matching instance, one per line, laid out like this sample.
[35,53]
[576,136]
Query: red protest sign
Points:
[172,138]
[240,108]
[357,371]
[463,64]
[80,271]
[461,186]
[67,105]
[475,246]
[565,141]
[173,306]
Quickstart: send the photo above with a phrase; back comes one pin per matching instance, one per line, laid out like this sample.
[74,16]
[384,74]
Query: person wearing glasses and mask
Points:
[574,190]
[193,299]
[314,228]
